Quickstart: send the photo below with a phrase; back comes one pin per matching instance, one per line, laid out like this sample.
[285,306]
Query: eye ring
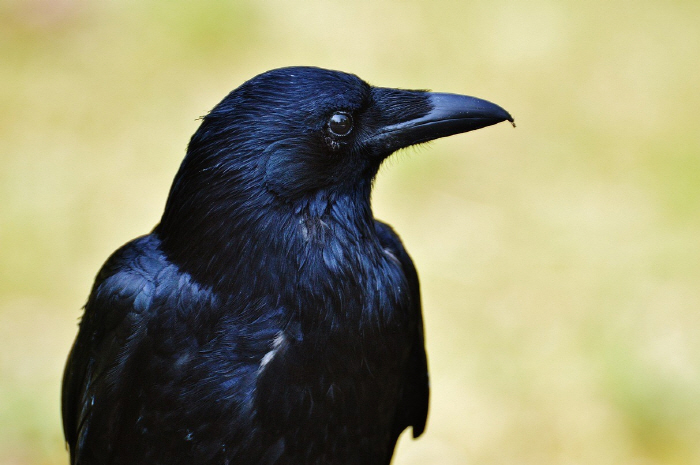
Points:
[340,124]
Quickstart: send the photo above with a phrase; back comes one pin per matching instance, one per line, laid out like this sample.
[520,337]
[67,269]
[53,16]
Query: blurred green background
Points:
[560,261]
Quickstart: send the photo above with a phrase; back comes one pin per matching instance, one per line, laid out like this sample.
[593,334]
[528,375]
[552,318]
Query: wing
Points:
[413,405]
[99,363]
[163,369]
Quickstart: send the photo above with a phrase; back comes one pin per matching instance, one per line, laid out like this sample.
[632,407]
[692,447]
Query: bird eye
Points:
[340,124]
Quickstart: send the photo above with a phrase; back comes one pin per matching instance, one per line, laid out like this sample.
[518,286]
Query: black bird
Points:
[268,318]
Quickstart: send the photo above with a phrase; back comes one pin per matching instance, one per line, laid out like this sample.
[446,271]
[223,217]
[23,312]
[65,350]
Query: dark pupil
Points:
[340,124]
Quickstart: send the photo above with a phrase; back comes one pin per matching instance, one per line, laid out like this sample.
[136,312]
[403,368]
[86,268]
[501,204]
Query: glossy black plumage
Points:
[268,318]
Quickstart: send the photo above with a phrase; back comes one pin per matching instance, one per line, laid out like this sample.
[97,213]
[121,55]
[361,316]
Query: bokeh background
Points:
[560,261]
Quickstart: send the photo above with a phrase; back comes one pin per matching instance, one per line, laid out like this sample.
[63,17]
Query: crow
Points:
[268,318]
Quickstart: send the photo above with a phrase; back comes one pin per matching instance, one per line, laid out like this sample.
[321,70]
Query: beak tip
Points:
[487,113]
[501,113]
[509,118]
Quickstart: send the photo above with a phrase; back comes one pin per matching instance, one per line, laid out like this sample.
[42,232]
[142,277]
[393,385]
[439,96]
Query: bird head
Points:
[302,132]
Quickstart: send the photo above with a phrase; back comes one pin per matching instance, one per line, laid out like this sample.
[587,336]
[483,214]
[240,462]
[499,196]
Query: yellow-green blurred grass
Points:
[560,261]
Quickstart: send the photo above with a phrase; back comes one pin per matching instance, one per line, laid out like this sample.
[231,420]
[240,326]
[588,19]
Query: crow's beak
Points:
[450,114]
